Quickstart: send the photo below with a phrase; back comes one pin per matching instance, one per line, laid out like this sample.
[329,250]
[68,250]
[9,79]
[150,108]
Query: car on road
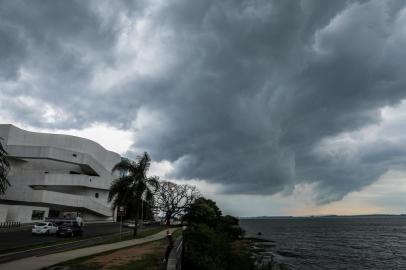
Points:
[70,229]
[44,228]
[130,224]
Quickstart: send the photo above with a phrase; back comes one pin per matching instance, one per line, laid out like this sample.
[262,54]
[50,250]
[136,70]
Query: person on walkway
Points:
[79,220]
[170,245]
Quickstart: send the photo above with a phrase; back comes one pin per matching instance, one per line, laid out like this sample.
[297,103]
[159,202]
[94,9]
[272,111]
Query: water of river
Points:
[371,242]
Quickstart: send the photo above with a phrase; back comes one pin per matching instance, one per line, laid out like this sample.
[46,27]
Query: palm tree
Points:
[4,169]
[133,184]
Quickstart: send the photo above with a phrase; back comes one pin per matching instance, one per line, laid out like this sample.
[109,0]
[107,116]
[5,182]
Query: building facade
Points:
[55,176]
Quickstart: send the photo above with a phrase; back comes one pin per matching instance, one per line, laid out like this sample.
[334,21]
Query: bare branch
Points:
[172,199]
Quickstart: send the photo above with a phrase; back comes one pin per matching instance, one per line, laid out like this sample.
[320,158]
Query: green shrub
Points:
[211,240]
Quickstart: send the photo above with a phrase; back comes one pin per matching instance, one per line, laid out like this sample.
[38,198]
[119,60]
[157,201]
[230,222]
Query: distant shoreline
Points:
[326,216]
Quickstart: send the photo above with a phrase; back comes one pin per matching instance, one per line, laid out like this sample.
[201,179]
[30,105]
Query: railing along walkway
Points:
[175,257]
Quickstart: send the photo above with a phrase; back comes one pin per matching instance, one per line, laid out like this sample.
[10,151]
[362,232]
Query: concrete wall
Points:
[23,213]
[16,136]
[3,212]
[58,172]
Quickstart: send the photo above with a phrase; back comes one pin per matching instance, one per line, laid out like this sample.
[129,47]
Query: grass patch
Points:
[151,260]
[129,236]
[177,233]
[124,237]
[40,245]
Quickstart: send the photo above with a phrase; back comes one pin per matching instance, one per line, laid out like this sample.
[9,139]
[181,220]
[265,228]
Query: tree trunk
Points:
[168,219]
[137,213]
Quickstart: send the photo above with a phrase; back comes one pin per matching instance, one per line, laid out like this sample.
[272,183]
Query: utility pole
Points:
[121,213]
[142,213]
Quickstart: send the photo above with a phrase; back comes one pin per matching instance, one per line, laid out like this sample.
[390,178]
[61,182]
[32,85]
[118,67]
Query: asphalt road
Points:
[93,234]
[23,238]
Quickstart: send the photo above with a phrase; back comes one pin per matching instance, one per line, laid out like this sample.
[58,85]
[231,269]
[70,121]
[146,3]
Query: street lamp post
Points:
[121,212]
[142,213]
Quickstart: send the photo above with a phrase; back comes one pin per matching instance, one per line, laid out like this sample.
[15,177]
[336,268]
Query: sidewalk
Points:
[38,262]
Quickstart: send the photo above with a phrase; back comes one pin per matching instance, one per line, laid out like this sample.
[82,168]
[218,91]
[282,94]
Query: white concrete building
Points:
[54,176]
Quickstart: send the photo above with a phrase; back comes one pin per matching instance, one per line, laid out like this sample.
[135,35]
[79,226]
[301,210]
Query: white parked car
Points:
[129,224]
[44,228]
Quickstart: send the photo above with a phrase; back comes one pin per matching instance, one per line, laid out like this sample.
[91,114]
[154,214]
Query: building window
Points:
[37,215]
[74,155]
[53,213]
[96,195]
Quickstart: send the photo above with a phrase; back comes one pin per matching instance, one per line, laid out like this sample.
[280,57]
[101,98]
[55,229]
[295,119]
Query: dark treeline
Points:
[211,240]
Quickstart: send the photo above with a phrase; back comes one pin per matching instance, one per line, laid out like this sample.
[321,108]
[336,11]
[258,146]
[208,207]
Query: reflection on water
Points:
[373,242]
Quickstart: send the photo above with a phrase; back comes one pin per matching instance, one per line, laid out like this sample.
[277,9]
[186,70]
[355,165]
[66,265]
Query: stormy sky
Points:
[270,107]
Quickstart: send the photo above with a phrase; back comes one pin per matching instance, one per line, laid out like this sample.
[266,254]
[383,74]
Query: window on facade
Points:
[53,213]
[37,215]
[96,195]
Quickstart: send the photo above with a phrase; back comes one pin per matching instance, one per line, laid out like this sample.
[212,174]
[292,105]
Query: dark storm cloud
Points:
[237,92]
[49,50]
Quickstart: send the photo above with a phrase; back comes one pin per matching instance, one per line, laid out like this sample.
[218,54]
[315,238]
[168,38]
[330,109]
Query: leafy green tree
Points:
[4,169]
[146,213]
[203,211]
[133,184]
[229,225]
[211,240]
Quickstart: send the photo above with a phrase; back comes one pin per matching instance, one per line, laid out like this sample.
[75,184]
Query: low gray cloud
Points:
[234,92]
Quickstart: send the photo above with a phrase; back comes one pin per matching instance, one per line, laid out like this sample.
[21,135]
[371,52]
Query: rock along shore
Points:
[264,258]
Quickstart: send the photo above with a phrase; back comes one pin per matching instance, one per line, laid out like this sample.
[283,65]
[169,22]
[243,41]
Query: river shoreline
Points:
[264,258]
[330,242]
